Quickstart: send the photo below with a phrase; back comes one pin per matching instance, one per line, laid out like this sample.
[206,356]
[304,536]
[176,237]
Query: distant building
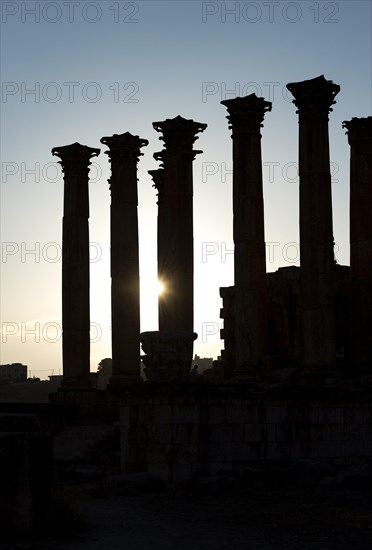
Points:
[55,377]
[203,363]
[14,372]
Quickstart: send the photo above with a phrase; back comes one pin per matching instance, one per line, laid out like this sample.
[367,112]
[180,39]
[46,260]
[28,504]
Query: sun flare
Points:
[161,288]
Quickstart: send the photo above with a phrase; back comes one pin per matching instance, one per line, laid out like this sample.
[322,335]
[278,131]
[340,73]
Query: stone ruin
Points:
[293,378]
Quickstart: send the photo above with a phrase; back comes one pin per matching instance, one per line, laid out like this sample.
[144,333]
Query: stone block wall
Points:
[284,318]
[177,431]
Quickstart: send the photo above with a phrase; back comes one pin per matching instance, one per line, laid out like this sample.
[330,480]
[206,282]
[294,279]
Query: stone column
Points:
[245,118]
[124,151]
[313,99]
[75,161]
[176,262]
[359,132]
[162,236]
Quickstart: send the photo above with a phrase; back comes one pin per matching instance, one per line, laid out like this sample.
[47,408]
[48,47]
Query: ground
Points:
[260,516]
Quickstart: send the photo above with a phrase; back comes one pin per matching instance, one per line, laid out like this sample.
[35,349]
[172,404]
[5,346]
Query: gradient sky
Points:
[99,68]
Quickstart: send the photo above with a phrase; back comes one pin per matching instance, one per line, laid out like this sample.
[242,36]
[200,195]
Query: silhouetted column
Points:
[176,246]
[158,179]
[75,161]
[245,118]
[359,132]
[314,98]
[124,151]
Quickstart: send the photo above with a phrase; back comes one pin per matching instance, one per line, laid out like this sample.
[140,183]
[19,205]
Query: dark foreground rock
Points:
[259,516]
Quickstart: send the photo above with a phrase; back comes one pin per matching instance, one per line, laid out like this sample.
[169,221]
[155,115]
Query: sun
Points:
[161,288]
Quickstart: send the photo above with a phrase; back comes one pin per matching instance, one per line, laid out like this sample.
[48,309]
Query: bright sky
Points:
[77,71]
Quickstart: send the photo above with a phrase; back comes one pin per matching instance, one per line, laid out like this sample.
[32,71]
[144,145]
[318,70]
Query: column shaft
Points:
[175,236]
[313,99]
[75,266]
[245,116]
[124,151]
[162,235]
[360,140]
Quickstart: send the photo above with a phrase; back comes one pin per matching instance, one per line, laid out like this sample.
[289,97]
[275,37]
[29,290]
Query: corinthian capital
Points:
[75,158]
[179,134]
[358,128]
[158,178]
[246,113]
[314,96]
[124,147]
